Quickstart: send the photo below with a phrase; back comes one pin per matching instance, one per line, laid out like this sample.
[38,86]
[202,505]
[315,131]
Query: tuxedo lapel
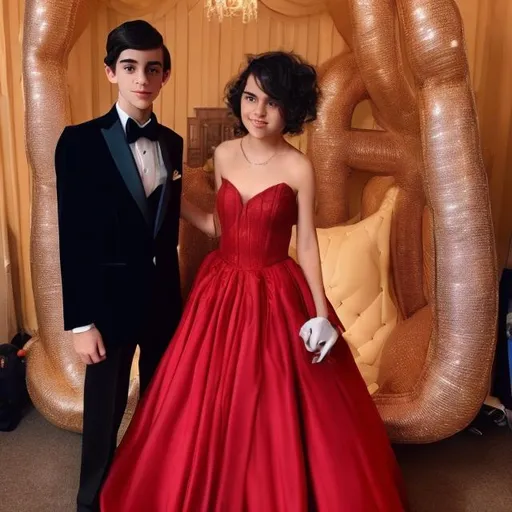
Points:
[164,201]
[122,155]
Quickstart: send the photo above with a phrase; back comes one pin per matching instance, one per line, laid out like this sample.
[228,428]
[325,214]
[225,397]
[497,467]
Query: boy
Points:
[119,191]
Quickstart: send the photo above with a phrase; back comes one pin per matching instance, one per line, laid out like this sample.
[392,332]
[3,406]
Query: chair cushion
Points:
[355,259]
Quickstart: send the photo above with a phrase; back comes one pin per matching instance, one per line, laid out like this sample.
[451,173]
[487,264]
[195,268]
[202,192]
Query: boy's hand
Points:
[89,346]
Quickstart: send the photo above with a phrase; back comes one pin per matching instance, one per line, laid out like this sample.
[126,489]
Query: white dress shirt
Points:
[147,156]
[150,164]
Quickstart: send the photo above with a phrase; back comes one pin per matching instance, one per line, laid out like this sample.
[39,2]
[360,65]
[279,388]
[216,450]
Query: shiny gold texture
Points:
[408,58]
[436,365]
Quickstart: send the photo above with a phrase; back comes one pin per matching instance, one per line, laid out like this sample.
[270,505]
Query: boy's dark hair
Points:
[135,35]
[284,77]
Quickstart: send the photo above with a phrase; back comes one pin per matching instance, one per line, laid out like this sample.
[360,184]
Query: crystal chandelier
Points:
[228,8]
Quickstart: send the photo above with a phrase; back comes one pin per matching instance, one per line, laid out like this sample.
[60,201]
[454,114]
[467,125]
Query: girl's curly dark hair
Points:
[287,79]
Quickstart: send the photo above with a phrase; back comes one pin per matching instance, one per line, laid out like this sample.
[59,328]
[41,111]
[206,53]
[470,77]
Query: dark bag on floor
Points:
[13,388]
[502,387]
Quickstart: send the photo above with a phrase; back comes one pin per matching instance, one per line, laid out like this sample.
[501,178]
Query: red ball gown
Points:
[237,418]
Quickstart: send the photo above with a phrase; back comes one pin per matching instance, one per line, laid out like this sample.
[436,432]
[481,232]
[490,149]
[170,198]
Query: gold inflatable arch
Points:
[55,374]
[436,363]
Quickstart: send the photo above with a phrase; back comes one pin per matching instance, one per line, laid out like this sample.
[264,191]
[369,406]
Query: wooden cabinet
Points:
[206,131]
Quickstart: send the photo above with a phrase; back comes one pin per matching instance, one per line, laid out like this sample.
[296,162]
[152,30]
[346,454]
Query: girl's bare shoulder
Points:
[227,149]
[299,164]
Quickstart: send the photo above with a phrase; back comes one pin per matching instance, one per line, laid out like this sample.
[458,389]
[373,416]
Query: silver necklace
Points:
[255,163]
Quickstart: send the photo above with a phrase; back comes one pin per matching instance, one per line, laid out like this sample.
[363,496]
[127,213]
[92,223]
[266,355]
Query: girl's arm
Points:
[307,242]
[205,222]
[198,217]
[318,334]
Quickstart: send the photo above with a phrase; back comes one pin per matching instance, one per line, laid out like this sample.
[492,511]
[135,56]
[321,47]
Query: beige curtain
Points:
[488,31]
[18,307]
[205,55]
[157,8]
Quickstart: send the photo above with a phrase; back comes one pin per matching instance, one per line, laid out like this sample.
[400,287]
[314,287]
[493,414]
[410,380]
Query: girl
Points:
[237,417]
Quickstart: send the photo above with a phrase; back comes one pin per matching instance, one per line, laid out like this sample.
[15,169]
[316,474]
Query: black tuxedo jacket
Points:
[119,266]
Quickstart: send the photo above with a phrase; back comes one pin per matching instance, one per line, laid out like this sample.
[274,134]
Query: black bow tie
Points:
[135,132]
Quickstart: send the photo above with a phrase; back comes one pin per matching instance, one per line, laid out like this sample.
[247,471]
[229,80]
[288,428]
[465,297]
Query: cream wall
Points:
[205,55]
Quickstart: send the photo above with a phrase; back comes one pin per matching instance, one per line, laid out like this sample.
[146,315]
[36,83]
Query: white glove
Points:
[319,336]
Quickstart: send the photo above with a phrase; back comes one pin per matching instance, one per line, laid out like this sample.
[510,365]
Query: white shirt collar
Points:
[123,117]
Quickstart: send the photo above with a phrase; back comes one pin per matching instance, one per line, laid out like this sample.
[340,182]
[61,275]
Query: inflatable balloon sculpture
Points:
[425,154]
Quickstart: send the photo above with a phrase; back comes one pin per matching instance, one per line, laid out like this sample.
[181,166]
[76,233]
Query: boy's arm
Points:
[77,239]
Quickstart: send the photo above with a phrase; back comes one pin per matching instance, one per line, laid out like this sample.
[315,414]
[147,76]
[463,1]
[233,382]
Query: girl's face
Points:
[261,115]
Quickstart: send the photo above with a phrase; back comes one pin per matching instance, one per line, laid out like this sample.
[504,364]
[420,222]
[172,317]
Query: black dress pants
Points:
[105,398]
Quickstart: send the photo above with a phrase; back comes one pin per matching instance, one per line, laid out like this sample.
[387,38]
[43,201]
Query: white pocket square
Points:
[176,176]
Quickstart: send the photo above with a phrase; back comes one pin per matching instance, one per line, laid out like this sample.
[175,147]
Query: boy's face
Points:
[139,75]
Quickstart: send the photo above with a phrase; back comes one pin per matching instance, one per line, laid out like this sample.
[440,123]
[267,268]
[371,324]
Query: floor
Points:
[466,473]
